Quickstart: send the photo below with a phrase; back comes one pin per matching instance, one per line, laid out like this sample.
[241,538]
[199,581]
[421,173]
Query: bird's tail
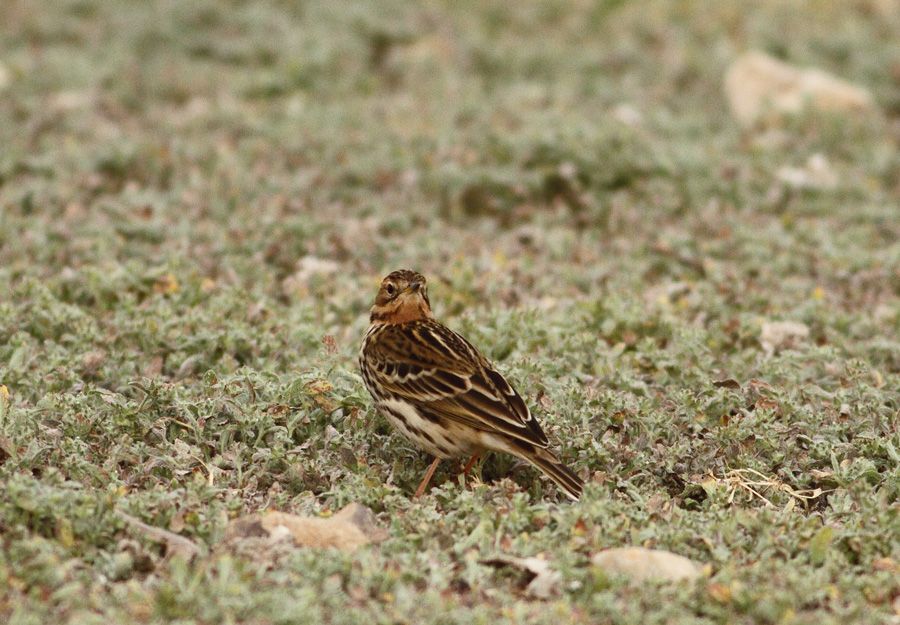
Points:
[550,466]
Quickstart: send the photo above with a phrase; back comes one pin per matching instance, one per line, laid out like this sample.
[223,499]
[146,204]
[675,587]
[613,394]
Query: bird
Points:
[443,394]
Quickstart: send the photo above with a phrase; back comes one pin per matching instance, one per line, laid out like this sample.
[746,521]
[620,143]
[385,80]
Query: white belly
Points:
[432,437]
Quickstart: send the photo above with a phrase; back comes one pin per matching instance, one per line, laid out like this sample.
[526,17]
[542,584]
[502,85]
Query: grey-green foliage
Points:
[198,199]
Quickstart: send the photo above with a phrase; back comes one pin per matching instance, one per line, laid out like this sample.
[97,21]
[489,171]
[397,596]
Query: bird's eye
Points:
[390,288]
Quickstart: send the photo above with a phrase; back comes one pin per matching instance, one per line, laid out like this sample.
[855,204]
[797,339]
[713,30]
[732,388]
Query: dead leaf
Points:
[177,523]
[319,390]
[580,527]
[767,404]
[545,401]
[4,401]
[92,361]
[719,592]
[760,386]
[7,449]
[885,564]
[166,285]
[154,367]
[541,581]
[256,311]
[320,387]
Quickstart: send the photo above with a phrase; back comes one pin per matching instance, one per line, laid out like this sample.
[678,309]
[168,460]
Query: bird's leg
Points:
[430,472]
[464,473]
[470,463]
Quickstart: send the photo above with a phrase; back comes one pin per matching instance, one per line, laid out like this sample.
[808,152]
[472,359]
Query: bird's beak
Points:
[416,286]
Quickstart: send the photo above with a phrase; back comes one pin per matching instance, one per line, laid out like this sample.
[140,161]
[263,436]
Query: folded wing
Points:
[447,378]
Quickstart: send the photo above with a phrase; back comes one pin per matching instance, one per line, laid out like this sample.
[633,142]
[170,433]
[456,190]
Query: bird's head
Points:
[403,296]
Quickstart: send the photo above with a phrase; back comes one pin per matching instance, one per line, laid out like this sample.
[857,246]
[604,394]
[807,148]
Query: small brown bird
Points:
[441,392]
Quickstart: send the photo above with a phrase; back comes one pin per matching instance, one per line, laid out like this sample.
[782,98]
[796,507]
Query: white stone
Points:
[641,565]
[5,77]
[817,174]
[776,335]
[757,84]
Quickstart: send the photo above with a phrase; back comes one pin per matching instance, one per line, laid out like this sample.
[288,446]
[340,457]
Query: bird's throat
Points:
[401,311]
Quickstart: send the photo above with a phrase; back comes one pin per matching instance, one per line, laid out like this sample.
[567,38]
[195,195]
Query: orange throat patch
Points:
[402,310]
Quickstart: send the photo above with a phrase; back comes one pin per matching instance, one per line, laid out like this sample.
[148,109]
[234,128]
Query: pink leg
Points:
[470,463]
[428,474]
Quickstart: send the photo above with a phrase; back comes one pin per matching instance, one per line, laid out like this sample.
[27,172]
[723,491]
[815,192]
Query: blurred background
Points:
[543,151]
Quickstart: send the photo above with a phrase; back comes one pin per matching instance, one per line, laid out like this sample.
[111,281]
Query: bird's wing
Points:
[445,376]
